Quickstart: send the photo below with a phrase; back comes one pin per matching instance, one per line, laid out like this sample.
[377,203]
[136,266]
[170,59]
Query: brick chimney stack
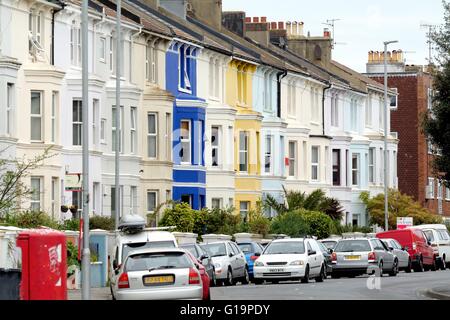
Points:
[257,29]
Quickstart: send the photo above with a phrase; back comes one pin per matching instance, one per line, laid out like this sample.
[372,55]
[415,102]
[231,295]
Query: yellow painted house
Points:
[247,164]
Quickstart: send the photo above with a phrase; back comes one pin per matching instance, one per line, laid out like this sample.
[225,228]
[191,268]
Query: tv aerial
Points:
[331,23]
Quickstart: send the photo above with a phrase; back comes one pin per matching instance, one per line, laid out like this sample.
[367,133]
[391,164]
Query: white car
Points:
[439,237]
[290,259]
[159,274]
[229,262]
[140,238]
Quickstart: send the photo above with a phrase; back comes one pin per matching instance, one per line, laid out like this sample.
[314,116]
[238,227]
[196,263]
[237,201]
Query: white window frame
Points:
[155,192]
[102,53]
[245,210]
[215,200]
[268,153]
[186,141]
[95,197]
[216,147]
[392,99]
[431,185]
[183,73]
[39,191]
[37,116]
[439,190]
[354,115]
[95,115]
[55,96]
[111,54]
[244,151]
[133,130]
[79,123]
[152,135]
[133,199]
[335,110]
[102,131]
[315,165]
[357,170]
[447,194]
[372,165]
[167,136]
[54,190]
[36,27]
[369,112]
[9,108]
[430,98]
[113,129]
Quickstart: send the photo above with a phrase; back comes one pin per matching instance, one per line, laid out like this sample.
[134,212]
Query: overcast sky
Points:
[364,24]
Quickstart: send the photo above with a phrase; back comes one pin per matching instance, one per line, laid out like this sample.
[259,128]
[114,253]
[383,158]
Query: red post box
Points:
[44,265]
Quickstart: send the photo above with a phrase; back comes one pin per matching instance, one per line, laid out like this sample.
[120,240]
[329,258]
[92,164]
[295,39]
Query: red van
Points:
[417,245]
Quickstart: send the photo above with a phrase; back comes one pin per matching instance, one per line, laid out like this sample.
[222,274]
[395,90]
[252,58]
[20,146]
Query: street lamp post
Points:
[118,110]
[386,174]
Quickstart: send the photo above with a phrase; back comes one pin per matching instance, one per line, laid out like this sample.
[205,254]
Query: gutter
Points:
[280,76]
[55,11]
[323,106]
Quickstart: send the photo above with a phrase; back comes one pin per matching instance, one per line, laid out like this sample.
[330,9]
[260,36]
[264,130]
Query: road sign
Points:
[72,182]
[404,222]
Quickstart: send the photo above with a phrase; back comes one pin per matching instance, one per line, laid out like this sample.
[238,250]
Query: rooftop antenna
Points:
[331,23]
[430,28]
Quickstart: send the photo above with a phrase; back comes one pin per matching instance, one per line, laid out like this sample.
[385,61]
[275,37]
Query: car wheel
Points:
[230,280]
[246,278]
[433,267]
[213,279]
[409,267]
[443,264]
[380,267]
[419,267]
[305,279]
[394,270]
[321,276]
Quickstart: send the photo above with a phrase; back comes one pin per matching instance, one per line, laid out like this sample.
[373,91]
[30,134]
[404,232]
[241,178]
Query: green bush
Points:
[221,221]
[31,219]
[339,229]
[102,222]
[291,223]
[71,224]
[181,216]
[259,225]
[72,255]
[320,224]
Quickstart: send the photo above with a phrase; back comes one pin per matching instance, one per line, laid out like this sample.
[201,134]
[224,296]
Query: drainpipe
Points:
[323,106]
[55,11]
[280,76]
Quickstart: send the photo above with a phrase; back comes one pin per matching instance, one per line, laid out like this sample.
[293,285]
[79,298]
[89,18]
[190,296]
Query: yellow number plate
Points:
[352,257]
[158,280]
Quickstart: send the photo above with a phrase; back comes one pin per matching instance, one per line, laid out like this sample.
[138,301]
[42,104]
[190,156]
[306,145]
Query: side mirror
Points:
[429,243]
[231,254]
[257,254]
[203,257]
[116,270]
[391,249]
[205,261]
[330,251]
[311,252]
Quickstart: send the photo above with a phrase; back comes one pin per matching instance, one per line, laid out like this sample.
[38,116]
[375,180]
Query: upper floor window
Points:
[95,120]
[315,108]
[102,49]
[355,169]
[369,111]
[242,84]
[354,115]
[215,142]
[55,100]
[75,45]
[315,163]
[429,98]
[394,100]
[152,135]
[36,193]
[291,96]
[133,129]
[336,167]
[268,155]
[214,78]
[371,165]
[111,53]
[114,128]
[430,189]
[77,122]
[35,28]
[243,151]
[185,137]
[335,110]
[267,99]
[9,108]
[36,116]
[292,158]
[150,62]
[184,68]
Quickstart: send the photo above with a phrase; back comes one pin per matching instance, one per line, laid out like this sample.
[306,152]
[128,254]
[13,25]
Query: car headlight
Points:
[217,266]
[259,264]
[297,263]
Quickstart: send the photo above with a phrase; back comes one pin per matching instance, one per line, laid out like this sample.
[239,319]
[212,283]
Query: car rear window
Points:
[429,235]
[128,247]
[329,244]
[191,249]
[157,260]
[443,234]
[215,249]
[286,247]
[353,245]
[246,247]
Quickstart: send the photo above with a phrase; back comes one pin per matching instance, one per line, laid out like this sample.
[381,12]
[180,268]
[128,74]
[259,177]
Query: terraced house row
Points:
[217,109]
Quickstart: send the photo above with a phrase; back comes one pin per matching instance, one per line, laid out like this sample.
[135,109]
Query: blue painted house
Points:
[189,173]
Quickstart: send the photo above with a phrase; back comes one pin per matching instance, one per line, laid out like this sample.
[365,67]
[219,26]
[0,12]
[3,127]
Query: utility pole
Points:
[118,110]
[86,255]
[386,173]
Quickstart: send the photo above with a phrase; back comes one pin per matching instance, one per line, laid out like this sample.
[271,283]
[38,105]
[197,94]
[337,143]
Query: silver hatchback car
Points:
[360,256]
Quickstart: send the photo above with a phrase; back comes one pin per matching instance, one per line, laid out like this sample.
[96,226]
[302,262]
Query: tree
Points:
[399,205]
[13,189]
[436,124]
[181,216]
[315,201]
[291,223]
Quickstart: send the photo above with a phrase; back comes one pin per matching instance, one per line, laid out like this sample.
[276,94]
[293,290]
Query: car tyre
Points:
[394,270]
[408,269]
[419,267]
[433,267]
[229,281]
[305,279]
[213,279]
[380,267]
[246,278]
[443,264]
[322,275]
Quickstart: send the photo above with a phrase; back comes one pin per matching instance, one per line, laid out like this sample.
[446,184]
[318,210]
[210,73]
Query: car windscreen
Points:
[157,260]
[246,247]
[191,249]
[286,247]
[215,249]
[329,244]
[128,247]
[322,247]
[352,245]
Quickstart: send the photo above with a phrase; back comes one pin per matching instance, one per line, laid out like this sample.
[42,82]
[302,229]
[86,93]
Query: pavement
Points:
[413,286]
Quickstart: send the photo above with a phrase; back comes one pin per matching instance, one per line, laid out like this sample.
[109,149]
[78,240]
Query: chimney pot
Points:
[263,19]
[248,19]
[281,25]
[273,25]
[326,33]
[255,19]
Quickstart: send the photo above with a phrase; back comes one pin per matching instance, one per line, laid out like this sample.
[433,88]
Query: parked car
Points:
[439,237]
[360,256]
[404,260]
[229,262]
[250,249]
[133,236]
[158,274]
[330,243]
[290,259]
[417,245]
[200,254]
[204,275]
[327,252]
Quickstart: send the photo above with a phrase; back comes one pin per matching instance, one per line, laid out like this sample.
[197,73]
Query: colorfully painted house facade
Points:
[189,172]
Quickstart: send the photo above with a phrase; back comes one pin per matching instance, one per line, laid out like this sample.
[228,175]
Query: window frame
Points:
[114,128]
[39,115]
[153,135]
[10,97]
[244,135]
[372,165]
[133,130]
[315,164]
[357,170]
[102,53]
[394,107]
[34,201]
[268,154]
[337,166]
[292,159]
[79,123]
[216,147]
[186,141]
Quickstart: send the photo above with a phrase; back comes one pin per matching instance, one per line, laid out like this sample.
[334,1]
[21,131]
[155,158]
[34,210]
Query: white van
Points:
[133,236]
[439,237]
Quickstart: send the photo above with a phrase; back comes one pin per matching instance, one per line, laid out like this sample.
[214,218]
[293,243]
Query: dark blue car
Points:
[250,248]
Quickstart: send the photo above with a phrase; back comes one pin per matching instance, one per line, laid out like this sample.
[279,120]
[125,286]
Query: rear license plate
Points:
[155,280]
[352,257]
[276,270]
